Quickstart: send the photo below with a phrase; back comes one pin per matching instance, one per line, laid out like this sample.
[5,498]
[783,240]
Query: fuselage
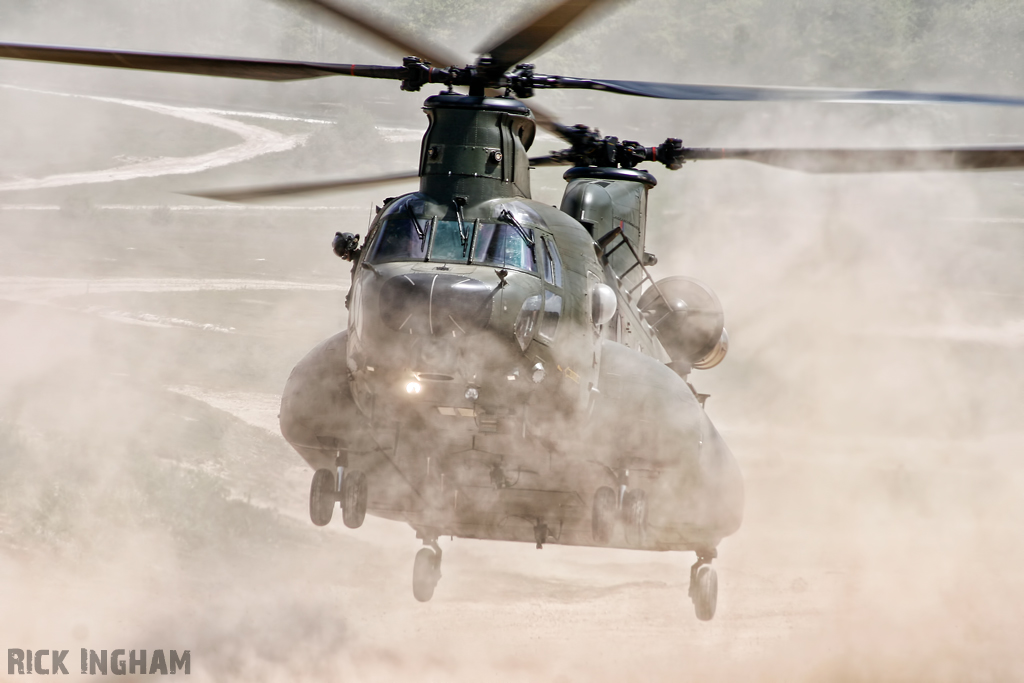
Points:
[478,311]
[483,385]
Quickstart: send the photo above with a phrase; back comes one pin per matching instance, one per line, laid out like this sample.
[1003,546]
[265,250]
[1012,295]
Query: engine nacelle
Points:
[717,354]
[688,319]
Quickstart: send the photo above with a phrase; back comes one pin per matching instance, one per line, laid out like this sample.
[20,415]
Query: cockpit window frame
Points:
[530,240]
[553,259]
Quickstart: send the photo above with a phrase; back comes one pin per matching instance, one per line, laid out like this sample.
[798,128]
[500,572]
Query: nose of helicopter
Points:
[435,304]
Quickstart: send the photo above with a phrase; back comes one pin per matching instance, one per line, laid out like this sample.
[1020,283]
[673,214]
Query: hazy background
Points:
[871,395]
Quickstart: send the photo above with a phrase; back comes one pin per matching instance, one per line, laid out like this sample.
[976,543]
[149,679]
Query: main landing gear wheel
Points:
[704,589]
[353,499]
[426,572]
[603,515]
[322,497]
[634,517]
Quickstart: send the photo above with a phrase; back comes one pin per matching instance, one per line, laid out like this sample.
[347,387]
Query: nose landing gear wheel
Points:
[322,497]
[634,517]
[426,572]
[704,591]
[353,498]
[603,515]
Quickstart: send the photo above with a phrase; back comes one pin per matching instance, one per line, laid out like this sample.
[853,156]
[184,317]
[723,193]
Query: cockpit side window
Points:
[501,244]
[549,320]
[552,263]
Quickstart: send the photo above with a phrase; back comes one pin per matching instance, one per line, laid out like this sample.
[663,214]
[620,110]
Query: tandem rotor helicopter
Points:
[511,370]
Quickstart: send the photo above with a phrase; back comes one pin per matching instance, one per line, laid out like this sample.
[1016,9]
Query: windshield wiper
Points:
[507,215]
[416,222]
[463,237]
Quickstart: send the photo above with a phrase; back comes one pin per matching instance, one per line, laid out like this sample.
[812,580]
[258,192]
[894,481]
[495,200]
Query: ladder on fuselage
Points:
[606,241]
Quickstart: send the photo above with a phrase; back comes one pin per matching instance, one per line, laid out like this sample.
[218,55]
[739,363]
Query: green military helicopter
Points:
[511,370]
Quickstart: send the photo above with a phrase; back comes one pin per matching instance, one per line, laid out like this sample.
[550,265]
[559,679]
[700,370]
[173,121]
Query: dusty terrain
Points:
[862,556]
[150,500]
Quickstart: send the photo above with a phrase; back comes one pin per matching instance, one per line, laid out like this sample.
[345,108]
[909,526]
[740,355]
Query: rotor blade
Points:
[250,194]
[404,43]
[516,47]
[874,160]
[256,193]
[744,93]
[547,121]
[549,160]
[231,67]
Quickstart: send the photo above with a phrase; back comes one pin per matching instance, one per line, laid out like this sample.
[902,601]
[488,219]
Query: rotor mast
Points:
[476,147]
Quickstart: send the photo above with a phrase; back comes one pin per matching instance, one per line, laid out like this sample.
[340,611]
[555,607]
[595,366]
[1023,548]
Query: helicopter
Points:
[511,370]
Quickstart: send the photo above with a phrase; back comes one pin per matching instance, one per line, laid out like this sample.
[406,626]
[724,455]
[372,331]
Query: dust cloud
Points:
[872,392]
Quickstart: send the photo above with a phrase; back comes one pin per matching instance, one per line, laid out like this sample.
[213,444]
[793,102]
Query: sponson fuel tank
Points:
[671,450]
[318,416]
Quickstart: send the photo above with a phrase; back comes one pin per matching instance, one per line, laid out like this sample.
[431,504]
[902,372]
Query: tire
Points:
[425,574]
[353,499]
[705,592]
[603,515]
[634,517]
[322,497]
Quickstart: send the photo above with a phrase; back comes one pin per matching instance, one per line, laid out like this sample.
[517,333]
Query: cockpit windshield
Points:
[494,244]
[402,239]
[451,241]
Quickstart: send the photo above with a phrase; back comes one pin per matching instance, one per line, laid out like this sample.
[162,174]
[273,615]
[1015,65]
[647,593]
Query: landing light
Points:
[472,394]
[413,388]
[538,373]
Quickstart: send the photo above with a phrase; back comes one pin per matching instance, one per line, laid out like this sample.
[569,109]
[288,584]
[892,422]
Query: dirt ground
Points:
[863,555]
